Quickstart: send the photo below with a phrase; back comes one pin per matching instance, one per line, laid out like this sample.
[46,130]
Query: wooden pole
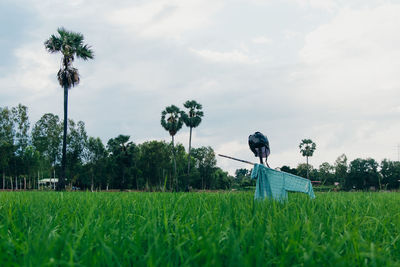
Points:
[244,161]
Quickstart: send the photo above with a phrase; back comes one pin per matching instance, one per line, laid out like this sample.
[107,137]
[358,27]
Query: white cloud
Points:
[262,40]
[349,76]
[352,62]
[318,4]
[291,34]
[31,77]
[234,56]
[165,18]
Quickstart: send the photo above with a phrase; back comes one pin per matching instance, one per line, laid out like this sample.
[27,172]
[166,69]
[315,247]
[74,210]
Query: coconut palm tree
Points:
[192,119]
[171,121]
[71,45]
[307,148]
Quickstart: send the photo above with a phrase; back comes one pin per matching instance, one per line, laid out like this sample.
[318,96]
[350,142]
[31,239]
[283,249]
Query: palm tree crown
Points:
[174,121]
[193,117]
[307,147]
[70,44]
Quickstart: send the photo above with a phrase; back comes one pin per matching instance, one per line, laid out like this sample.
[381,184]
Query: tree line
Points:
[358,174]
[30,153]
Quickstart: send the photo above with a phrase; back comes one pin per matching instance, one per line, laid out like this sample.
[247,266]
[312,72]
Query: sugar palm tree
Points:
[70,45]
[171,121]
[192,119]
[307,148]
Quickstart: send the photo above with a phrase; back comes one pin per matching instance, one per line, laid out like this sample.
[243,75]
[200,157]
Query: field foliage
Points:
[198,229]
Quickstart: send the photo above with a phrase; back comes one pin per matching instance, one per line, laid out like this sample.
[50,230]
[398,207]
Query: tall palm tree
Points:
[307,148]
[192,119]
[71,45]
[171,121]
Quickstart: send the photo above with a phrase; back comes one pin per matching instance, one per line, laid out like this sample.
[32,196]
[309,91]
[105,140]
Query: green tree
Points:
[192,119]
[206,163]
[171,121]
[390,171]
[71,45]
[96,157]
[122,152]
[287,169]
[221,179]
[46,138]
[241,173]
[341,170]
[307,148]
[21,125]
[31,161]
[21,122]
[363,174]
[304,170]
[7,135]
[184,178]
[155,166]
[76,146]
[326,173]
[243,178]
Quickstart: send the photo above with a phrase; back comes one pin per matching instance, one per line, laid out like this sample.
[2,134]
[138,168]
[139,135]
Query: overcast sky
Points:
[293,69]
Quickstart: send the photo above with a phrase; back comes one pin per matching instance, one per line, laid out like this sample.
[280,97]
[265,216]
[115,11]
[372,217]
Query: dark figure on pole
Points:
[259,145]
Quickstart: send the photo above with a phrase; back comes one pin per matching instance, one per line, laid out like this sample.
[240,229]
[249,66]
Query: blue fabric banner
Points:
[275,184]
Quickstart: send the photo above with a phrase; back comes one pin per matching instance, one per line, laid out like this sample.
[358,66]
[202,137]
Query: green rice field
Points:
[198,229]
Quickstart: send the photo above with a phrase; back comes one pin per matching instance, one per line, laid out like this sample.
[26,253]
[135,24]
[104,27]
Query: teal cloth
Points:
[275,184]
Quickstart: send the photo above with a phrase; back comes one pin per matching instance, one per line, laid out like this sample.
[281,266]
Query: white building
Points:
[48,182]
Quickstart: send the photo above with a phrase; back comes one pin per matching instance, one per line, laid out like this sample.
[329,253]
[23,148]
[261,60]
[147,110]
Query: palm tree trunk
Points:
[61,179]
[190,146]
[307,166]
[173,153]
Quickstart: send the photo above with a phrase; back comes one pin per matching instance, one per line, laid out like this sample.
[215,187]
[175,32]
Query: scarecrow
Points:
[272,184]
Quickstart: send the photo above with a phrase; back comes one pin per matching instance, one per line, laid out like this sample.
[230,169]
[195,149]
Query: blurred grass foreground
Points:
[198,229]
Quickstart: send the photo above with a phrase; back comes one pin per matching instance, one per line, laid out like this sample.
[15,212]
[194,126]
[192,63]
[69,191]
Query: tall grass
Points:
[198,229]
